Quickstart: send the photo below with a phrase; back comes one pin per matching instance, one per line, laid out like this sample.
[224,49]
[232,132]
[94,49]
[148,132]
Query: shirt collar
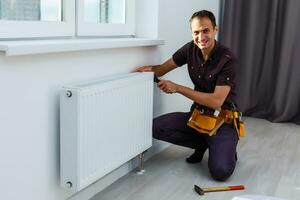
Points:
[213,52]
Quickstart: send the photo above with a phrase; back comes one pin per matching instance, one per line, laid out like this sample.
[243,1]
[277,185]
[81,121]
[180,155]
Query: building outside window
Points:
[105,17]
[105,11]
[31,10]
[20,9]
[104,6]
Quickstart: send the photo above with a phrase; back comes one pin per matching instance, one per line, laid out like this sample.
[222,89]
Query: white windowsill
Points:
[14,48]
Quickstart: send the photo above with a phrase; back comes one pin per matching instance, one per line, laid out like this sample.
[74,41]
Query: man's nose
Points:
[202,36]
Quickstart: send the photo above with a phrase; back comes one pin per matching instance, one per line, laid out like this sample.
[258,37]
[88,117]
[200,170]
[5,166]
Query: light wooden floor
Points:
[268,164]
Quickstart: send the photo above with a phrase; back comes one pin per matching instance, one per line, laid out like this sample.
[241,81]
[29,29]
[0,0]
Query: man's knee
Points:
[221,173]
[170,128]
[157,129]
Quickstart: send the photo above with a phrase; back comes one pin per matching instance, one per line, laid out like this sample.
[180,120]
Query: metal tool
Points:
[201,191]
[156,79]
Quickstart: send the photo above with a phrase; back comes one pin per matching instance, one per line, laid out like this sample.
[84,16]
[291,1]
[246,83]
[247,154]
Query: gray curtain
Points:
[264,35]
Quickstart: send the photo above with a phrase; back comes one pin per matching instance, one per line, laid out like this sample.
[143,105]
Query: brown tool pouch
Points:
[235,117]
[204,123]
[208,124]
[241,129]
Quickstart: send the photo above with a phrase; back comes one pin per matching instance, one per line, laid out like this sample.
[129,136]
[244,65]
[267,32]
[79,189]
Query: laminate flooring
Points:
[268,164]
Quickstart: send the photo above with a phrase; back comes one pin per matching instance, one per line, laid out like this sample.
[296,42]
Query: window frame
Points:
[91,29]
[41,29]
[146,34]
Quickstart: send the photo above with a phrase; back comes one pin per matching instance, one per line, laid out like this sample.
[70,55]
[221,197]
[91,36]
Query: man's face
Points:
[203,33]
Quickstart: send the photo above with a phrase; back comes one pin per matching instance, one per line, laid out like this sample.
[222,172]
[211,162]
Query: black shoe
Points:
[196,157]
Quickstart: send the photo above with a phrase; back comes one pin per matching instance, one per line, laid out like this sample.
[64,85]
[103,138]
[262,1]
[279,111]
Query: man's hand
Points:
[144,69]
[159,70]
[168,86]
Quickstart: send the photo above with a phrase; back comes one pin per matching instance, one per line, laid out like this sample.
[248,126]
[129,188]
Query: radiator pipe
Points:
[141,164]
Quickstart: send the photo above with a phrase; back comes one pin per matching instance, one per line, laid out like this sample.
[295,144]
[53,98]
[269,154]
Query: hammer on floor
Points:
[201,191]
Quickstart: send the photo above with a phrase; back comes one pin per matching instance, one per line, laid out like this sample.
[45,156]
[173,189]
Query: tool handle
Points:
[236,187]
[225,188]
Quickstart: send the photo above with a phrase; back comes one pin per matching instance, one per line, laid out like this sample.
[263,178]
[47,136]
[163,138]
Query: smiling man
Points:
[211,69]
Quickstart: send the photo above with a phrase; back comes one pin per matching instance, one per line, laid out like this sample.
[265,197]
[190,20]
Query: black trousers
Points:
[222,146]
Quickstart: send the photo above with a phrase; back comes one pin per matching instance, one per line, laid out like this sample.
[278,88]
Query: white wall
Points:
[29,103]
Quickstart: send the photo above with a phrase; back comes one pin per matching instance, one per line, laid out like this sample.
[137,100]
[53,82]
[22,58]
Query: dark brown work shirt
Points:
[219,69]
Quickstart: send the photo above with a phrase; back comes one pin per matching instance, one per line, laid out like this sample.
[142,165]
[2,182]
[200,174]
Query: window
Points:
[52,18]
[105,11]
[113,15]
[105,17]
[36,18]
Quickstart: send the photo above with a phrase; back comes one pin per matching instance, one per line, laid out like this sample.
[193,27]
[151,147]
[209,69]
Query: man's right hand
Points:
[144,69]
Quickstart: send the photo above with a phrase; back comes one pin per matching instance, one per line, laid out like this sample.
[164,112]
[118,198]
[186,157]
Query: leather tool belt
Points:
[207,123]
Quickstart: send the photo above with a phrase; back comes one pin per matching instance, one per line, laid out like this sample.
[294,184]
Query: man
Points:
[211,69]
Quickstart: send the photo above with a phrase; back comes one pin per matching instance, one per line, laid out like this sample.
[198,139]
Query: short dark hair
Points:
[204,13]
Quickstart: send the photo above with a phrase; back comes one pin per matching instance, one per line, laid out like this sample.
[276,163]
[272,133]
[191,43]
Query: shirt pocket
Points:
[209,82]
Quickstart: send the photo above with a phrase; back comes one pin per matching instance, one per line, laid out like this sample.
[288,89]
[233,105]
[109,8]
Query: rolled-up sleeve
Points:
[180,57]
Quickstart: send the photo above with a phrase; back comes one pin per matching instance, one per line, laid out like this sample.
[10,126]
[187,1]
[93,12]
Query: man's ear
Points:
[216,28]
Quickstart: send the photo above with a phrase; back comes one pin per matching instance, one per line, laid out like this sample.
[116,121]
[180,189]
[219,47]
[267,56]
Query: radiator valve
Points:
[68,93]
[69,184]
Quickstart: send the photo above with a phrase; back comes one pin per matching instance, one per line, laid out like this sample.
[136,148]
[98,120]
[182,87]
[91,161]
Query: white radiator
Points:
[104,124]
